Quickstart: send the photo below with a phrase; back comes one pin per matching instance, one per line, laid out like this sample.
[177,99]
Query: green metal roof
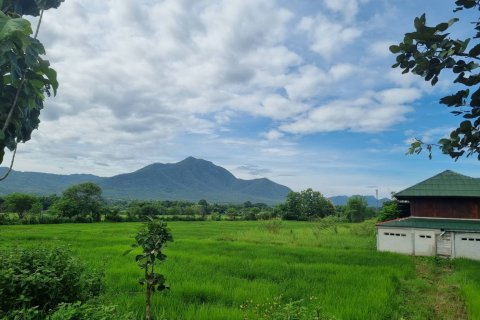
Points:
[445,184]
[427,223]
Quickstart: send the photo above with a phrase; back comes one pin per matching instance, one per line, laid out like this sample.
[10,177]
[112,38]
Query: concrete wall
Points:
[467,245]
[428,242]
[395,240]
[424,242]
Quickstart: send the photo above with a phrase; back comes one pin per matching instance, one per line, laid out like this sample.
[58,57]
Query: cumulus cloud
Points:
[373,112]
[143,80]
[348,8]
[327,37]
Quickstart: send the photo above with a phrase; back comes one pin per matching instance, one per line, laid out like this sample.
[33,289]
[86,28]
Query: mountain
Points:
[371,200]
[41,183]
[191,179]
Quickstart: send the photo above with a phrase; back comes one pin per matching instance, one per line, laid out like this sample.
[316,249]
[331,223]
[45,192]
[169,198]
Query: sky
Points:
[301,92]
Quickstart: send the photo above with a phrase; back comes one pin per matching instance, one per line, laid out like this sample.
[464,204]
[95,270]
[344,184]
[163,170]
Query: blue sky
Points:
[301,92]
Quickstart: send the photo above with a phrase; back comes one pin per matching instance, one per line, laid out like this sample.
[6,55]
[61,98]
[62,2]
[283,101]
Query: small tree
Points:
[306,205]
[356,209]
[152,238]
[81,199]
[21,203]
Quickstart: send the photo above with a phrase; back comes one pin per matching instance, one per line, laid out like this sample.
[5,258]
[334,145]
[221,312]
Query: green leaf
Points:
[394,49]
[14,27]
[442,26]
[48,4]
[465,126]
[475,51]
[452,21]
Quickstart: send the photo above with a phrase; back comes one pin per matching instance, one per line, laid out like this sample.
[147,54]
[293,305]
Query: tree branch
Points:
[14,104]
[11,163]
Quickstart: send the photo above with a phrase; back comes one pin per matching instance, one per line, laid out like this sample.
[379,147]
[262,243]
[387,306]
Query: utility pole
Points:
[376,194]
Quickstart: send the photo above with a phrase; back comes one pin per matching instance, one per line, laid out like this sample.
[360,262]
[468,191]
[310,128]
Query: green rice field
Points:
[215,267]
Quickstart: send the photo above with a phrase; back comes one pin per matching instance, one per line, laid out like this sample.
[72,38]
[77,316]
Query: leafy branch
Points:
[427,52]
[25,77]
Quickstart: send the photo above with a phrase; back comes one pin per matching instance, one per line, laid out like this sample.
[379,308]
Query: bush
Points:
[265,215]
[90,311]
[43,278]
[327,223]
[273,226]
[389,211]
[81,219]
[216,216]
[48,219]
[9,218]
[364,229]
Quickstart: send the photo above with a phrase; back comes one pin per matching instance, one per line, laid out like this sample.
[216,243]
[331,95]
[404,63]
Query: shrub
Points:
[265,215]
[9,218]
[327,223]
[273,226]
[216,216]
[389,211]
[364,229]
[90,311]
[43,278]
[48,219]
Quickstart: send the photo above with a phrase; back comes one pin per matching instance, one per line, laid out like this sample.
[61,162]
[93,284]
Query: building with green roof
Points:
[444,218]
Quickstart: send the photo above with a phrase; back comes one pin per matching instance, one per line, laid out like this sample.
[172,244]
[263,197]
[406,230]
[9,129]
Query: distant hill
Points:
[371,200]
[191,179]
[41,183]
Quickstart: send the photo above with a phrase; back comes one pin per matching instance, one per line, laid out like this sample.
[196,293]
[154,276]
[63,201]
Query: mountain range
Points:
[191,179]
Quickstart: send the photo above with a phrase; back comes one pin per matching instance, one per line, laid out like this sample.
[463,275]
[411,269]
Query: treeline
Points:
[83,203]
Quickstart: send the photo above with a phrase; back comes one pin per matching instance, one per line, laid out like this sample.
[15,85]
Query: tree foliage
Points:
[25,77]
[81,199]
[356,209]
[430,50]
[21,203]
[306,205]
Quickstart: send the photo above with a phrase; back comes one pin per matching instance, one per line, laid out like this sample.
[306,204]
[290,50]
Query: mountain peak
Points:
[191,179]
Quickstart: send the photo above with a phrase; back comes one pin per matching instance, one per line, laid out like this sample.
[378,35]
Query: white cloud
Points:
[348,8]
[273,135]
[398,96]
[146,81]
[372,112]
[328,37]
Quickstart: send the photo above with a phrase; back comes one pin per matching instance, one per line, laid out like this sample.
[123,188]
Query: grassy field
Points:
[215,267]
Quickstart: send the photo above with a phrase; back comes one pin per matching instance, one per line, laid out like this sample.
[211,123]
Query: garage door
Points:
[467,245]
[395,240]
[425,243]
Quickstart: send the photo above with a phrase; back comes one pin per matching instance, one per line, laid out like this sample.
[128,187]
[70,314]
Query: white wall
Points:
[422,242]
[395,240]
[425,244]
[467,245]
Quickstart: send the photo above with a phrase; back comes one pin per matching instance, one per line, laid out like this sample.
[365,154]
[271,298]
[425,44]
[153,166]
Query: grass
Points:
[215,267]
